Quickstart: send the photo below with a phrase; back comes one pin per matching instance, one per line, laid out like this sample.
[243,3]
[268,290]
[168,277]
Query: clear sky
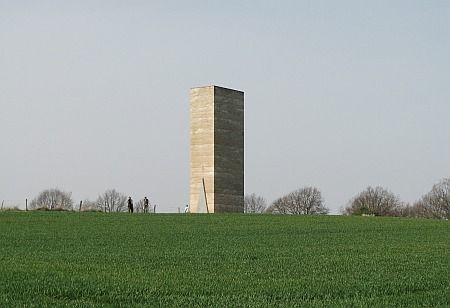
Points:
[338,94]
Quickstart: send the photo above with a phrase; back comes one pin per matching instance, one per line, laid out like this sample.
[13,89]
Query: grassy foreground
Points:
[96,259]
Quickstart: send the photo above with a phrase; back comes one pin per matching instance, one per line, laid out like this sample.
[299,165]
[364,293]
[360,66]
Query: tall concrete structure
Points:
[217,150]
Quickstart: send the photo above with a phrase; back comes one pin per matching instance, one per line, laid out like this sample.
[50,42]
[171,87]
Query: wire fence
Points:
[13,204]
[24,204]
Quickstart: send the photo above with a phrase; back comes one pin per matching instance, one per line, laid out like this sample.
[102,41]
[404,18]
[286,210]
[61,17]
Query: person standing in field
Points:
[130,205]
[145,205]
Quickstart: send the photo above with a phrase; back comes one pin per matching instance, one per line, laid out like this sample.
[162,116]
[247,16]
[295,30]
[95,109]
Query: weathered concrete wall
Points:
[217,148]
[228,150]
[202,146]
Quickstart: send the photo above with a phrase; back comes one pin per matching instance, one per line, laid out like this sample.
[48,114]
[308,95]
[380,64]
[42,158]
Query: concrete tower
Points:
[217,150]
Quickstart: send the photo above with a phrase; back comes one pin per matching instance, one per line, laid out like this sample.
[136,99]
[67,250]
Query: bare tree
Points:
[436,203]
[406,210]
[52,199]
[139,206]
[303,201]
[112,201]
[375,201]
[279,206]
[418,210]
[254,204]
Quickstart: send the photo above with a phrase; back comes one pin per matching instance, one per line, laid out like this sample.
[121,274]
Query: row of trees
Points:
[376,201]
[382,202]
[303,201]
[110,201]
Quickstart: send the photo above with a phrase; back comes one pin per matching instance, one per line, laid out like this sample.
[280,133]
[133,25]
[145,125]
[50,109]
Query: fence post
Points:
[26,205]
[81,203]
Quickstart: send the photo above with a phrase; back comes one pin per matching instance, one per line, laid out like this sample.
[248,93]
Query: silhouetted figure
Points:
[145,205]
[186,208]
[130,205]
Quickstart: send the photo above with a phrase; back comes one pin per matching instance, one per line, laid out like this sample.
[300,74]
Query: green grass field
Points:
[96,259]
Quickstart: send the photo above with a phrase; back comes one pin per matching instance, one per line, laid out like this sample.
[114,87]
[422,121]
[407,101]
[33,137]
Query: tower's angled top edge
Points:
[214,86]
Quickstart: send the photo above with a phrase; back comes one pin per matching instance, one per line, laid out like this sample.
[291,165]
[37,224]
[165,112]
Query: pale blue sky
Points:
[339,94]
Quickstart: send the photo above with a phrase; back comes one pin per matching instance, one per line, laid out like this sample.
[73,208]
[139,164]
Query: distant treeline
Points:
[376,201]
[110,201]
[373,201]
